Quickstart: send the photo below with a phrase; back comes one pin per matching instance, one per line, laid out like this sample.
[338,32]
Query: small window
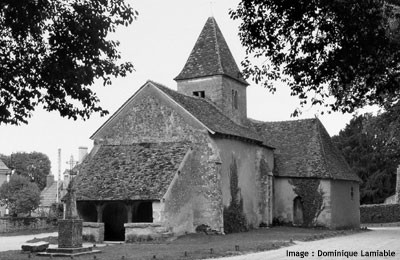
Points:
[234,99]
[352,193]
[201,94]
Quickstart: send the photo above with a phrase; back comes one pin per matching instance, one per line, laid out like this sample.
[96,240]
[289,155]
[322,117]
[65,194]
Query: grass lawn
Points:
[200,246]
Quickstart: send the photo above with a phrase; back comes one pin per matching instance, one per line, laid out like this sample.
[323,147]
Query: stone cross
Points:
[71,163]
[70,203]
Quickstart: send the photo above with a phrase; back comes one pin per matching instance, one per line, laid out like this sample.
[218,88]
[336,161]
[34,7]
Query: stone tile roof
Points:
[210,115]
[49,195]
[304,149]
[3,168]
[211,56]
[141,171]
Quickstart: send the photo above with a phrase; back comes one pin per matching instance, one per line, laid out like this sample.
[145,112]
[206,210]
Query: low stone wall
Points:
[380,213]
[9,224]
[93,232]
[137,232]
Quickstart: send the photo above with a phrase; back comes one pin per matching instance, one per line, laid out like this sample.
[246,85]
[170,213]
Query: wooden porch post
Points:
[129,210]
[99,209]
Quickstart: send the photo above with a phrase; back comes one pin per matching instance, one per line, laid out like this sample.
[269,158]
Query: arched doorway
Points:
[114,217]
[297,211]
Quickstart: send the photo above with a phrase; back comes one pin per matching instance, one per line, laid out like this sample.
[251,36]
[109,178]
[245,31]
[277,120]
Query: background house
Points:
[5,173]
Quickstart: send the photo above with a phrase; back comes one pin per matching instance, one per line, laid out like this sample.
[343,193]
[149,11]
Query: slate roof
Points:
[211,56]
[129,172]
[304,149]
[210,115]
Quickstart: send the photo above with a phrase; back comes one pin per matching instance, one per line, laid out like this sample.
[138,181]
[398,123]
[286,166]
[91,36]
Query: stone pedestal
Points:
[69,233]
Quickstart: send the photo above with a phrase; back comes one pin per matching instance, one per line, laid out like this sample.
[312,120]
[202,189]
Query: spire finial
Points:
[212,2]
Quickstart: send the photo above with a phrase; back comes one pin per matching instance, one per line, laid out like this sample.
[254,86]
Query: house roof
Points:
[211,56]
[141,171]
[49,195]
[3,168]
[304,149]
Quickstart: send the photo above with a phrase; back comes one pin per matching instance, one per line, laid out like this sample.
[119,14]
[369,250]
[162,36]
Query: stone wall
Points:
[139,232]
[284,196]
[149,117]
[345,200]
[380,213]
[219,90]
[340,203]
[253,178]
[194,197]
[8,225]
[93,232]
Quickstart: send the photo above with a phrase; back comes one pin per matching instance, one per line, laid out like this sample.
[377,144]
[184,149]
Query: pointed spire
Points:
[211,56]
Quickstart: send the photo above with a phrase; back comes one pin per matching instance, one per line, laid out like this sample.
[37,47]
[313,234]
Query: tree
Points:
[345,49]
[35,166]
[51,51]
[19,195]
[366,149]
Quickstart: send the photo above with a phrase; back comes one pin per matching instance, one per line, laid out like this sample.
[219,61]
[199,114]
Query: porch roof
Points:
[141,171]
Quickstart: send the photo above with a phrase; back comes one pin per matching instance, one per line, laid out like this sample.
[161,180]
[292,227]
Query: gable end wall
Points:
[150,117]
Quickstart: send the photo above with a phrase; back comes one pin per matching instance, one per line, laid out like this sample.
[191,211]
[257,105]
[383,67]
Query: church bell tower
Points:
[211,72]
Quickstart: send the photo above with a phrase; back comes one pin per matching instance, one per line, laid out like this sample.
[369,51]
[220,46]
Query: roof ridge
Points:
[188,96]
[322,147]
[281,121]
[217,50]
[162,142]
[322,130]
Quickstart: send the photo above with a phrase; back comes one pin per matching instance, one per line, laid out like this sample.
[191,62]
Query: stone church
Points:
[173,162]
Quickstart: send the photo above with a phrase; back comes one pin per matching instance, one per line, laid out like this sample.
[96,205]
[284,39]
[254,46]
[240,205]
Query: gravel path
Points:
[361,243]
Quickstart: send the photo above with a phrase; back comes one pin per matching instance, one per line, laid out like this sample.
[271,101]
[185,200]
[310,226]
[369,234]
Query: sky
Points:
[158,43]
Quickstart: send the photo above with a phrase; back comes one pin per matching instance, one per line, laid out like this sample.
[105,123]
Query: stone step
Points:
[35,247]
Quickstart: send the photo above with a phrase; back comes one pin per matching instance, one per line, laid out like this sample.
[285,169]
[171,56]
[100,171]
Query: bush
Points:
[56,210]
[20,195]
[380,213]
[234,219]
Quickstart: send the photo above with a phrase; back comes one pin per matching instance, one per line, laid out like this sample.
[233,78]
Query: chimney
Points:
[397,197]
[83,151]
[49,180]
